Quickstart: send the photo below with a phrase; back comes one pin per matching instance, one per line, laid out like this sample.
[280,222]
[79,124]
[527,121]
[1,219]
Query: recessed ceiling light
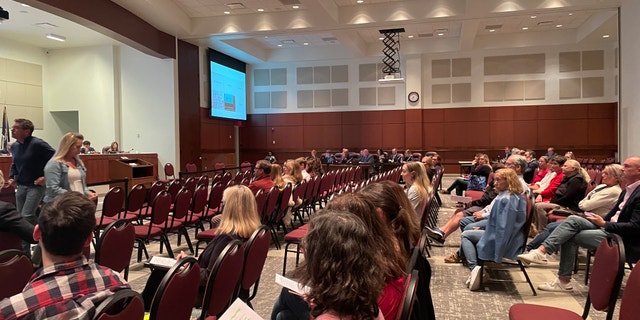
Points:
[279,45]
[570,13]
[492,30]
[296,7]
[25,5]
[306,43]
[260,10]
[440,34]
[381,38]
[227,12]
[525,28]
[411,36]
[533,17]
[55,37]
[360,1]
[605,36]
[558,26]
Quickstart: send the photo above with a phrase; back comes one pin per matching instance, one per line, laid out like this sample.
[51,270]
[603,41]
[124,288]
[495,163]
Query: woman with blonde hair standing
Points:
[65,171]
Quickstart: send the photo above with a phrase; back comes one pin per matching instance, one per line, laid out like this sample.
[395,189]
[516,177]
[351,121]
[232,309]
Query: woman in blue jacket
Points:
[503,236]
[65,171]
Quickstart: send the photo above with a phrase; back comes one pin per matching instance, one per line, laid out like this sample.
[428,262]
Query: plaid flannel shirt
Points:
[68,290]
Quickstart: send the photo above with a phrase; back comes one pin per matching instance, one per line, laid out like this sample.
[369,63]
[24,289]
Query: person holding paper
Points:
[390,262]
[239,220]
[354,258]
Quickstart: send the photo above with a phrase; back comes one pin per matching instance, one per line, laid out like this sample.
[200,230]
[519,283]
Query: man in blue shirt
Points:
[30,155]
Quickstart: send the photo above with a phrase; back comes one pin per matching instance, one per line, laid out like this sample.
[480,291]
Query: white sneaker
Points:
[474,280]
[533,256]
[556,286]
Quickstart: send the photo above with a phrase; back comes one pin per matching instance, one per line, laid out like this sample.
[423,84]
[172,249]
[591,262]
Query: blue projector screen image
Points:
[228,92]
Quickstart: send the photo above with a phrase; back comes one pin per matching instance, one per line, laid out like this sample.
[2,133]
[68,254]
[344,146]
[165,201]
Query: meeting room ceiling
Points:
[257,31]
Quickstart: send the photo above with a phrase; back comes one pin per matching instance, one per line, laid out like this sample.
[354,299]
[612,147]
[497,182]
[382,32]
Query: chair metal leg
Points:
[526,276]
[184,232]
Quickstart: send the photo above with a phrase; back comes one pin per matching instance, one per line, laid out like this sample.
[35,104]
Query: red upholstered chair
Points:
[10,240]
[203,181]
[15,271]
[177,292]
[111,208]
[169,171]
[293,238]
[198,204]
[135,202]
[214,204]
[8,193]
[155,228]
[180,210]
[409,296]
[246,166]
[223,280]
[629,307]
[298,198]
[255,254]
[226,178]
[115,245]
[153,191]
[124,304]
[174,187]
[608,270]
[191,184]
[191,167]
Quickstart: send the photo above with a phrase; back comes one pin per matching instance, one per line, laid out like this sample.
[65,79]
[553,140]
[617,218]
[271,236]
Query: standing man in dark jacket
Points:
[30,155]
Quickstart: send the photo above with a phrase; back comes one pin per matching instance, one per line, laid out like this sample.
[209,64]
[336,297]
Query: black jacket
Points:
[12,221]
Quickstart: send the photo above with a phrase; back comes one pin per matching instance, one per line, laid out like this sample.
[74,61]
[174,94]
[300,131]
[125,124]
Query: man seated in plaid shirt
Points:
[68,286]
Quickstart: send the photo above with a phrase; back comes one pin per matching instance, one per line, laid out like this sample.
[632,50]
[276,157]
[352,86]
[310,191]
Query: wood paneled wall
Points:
[590,130]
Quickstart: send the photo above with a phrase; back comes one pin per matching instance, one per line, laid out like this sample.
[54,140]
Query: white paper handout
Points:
[162,262]
[239,310]
[291,285]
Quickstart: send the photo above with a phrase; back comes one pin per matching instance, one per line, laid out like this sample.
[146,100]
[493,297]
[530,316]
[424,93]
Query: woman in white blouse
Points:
[65,171]
[604,196]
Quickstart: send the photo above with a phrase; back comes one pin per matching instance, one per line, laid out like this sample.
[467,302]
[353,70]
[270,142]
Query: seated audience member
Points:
[313,154]
[397,212]
[113,148]
[302,163]
[366,157]
[417,184]
[599,201]
[543,169]
[480,167]
[12,221]
[408,156]
[503,236]
[262,177]
[276,176]
[344,155]
[429,167]
[507,152]
[292,173]
[532,165]
[392,267]
[270,157]
[551,152]
[327,157]
[470,219]
[87,148]
[68,286]
[314,167]
[623,220]
[239,221]
[65,171]
[478,210]
[395,156]
[354,261]
[382,156]
[569,193]
[549,184]
[569,155]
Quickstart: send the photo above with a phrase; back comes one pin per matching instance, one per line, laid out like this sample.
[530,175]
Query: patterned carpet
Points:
[452,300]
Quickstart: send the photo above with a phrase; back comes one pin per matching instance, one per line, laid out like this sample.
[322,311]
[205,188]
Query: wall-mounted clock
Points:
[413,96]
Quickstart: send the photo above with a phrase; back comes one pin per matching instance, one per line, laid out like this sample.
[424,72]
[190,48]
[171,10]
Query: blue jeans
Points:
[571,233]
[468,223]
[27,200]
[469,239]
[289,307]
[537,241]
